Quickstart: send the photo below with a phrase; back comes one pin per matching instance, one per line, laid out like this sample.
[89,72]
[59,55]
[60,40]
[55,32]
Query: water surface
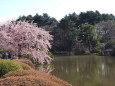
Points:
[86,70]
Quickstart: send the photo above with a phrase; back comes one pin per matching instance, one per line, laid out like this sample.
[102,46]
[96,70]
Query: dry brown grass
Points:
[31,78]
[27,81]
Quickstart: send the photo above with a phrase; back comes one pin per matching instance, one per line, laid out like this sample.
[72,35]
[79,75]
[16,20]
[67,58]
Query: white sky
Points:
[12,9]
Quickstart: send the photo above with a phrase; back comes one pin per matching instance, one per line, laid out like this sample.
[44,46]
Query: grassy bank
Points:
[29,77]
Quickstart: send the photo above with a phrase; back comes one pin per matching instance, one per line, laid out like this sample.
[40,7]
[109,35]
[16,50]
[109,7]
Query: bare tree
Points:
[106,30]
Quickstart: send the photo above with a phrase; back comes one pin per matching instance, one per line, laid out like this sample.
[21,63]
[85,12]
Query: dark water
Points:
[85,70]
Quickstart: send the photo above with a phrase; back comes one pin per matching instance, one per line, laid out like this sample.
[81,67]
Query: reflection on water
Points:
[45,68]
[85,70]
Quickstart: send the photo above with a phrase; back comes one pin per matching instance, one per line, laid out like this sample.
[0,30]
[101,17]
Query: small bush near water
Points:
[25,66]
[8,65]
[31,78]
[26,61]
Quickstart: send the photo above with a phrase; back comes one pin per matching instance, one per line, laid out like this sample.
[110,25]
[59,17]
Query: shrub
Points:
[25,56]
[20,73]
[27,81]
[8,65]
[97,50]
[110,45]
[25,66]
[35,78]
[26,61]
[80,52]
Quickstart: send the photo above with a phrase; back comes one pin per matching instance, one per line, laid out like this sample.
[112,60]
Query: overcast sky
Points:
[12,9]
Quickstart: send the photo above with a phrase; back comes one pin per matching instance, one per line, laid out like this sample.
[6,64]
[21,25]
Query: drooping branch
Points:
[26,38]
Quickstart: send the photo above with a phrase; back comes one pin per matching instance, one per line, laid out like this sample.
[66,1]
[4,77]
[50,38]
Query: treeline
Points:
[87,32]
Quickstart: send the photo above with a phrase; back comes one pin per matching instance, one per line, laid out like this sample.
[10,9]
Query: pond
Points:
[88,70]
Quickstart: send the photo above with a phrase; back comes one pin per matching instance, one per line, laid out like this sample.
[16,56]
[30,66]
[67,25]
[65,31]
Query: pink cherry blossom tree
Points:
[23,37]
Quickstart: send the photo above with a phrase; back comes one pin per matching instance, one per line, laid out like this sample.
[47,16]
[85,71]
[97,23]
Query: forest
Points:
[77,34]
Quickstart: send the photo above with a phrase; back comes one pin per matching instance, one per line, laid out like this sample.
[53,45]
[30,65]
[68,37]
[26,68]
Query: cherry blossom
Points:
[24,37]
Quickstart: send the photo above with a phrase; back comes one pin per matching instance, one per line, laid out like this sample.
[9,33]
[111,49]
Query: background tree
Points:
[91,17]
[65,35]
[67,31]
[106,31]
[88,36]
[41,20]
[26,38]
